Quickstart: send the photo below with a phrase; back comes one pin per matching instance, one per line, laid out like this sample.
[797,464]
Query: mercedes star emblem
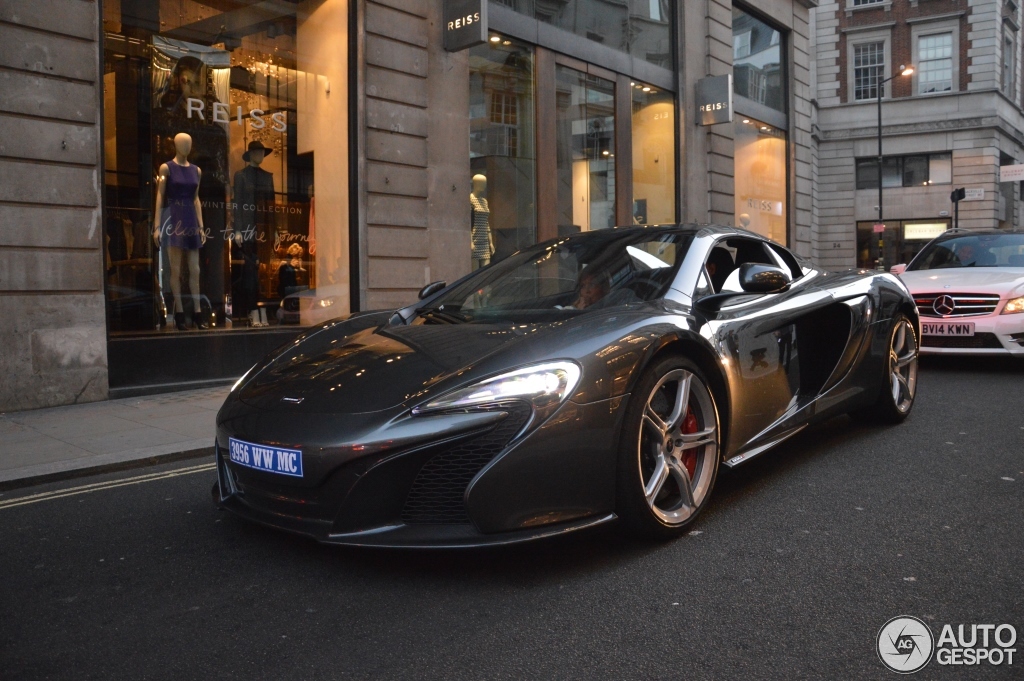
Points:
[944,305]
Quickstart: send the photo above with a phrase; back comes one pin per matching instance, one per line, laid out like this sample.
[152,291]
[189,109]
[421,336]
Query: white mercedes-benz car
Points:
[969,290]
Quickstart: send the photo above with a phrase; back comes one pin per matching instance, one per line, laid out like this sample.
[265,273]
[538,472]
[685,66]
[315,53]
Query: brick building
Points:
[950,124]
[186,184]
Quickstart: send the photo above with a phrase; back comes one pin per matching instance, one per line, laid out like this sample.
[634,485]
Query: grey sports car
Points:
[598,376]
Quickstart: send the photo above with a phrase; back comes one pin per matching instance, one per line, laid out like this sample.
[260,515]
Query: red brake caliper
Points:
[689,457]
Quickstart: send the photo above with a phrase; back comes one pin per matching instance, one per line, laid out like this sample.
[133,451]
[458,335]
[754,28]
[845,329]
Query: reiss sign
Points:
[220,113]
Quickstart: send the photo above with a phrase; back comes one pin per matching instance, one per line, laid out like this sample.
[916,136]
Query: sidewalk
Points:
[48,444]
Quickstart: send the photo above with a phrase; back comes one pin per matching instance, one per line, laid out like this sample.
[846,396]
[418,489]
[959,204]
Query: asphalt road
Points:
[804,554]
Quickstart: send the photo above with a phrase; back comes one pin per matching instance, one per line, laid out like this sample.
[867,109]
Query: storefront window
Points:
[641,28]
[218,119]
[585,139]
[502,140]
[901,240]
[654,171]
[760,157]
[757,61]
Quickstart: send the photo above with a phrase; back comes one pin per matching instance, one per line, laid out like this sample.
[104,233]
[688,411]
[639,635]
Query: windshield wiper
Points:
[442,315]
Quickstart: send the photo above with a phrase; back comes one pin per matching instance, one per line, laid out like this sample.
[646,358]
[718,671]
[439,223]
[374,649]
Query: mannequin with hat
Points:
[253,225]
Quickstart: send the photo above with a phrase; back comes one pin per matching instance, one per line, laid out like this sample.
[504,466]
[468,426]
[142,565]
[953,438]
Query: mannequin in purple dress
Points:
[180,224]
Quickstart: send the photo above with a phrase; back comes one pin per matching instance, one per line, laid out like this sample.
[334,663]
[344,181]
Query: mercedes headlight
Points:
[1014,306]
[545,386]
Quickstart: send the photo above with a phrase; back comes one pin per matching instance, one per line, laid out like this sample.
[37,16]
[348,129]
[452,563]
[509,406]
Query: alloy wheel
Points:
[678,444]
[903,365]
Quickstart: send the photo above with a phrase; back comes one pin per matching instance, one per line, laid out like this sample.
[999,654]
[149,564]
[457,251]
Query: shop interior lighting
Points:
[646,88]
[495,39]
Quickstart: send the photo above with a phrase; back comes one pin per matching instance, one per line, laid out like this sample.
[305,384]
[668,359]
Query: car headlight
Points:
[1014,306]
[543,385]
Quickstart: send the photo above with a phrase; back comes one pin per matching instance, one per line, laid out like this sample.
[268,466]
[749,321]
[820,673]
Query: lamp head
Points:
[907,70]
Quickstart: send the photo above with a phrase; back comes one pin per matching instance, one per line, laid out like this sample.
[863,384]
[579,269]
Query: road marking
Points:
[100,486]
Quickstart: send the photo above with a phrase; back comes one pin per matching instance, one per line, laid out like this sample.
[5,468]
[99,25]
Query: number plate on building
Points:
[266,458]
[947,328]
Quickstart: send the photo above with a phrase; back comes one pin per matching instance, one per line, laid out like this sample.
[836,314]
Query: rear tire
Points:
[899,388]
[669,454]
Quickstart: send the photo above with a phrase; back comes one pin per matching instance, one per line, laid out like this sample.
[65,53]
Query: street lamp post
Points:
[904,71]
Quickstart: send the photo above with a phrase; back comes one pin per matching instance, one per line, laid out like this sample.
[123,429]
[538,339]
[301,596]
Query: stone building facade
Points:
[951,124]
[346,159]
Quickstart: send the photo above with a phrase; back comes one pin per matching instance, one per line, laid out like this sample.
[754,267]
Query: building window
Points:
[741,45]
[641,28]
[868,69]
[859,3]
[758,66]
[919,170]
[502,203]
[585,141]
[213,140]
[760,167]
[654,157]
[935,63]
[1009,61]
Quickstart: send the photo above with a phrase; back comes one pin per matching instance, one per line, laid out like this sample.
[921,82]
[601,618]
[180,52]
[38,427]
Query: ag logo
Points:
[905,644]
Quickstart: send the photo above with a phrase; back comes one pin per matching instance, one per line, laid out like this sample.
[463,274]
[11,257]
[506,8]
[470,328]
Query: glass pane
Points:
[654,173]
[867,173]
[940,169]
[585,141]
[643,28]
[892,175]
[650,31]
[761,178]
[216,128]
[915,171]
[597,20]
[503,209]
[758,72]
[868,69]
[935,60]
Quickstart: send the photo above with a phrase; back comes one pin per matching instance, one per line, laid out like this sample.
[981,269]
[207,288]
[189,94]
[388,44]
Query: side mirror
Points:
[432,288]
[756,278]
[897,269]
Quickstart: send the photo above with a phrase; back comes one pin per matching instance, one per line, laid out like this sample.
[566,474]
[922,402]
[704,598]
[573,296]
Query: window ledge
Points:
[935,17]
[869,27]
[851,8]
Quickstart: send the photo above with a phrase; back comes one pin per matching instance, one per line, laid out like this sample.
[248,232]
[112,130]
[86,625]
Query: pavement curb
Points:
[112,467]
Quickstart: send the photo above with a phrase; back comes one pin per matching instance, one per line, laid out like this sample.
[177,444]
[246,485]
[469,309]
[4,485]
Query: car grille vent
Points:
[963,304]
[436,496]
[976,342]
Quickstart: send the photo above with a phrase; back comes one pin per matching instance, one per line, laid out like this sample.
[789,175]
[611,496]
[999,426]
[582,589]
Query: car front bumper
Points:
[557,478]
[996,334]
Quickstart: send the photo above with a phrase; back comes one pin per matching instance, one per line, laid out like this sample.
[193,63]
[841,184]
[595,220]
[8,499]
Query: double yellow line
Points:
[100,486]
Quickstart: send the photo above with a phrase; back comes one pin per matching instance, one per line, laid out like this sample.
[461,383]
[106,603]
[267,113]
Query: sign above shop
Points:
[922,231]
[465,24]
[1011,173]
[714,100]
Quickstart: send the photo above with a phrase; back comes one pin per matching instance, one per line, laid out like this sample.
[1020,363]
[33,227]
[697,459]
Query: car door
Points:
[760,338]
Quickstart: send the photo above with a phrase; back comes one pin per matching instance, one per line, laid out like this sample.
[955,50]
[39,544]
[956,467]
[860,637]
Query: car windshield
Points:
[567,277]
[982,250]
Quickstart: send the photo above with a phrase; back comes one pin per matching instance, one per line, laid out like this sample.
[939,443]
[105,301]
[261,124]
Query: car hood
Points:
[352,367]
[376,368]
[966,279]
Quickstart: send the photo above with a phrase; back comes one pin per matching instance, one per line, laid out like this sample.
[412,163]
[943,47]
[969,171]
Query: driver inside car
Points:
[593,287]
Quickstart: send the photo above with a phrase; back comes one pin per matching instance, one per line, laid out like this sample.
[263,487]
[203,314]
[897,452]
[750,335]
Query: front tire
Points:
[669,456]
[899,389]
